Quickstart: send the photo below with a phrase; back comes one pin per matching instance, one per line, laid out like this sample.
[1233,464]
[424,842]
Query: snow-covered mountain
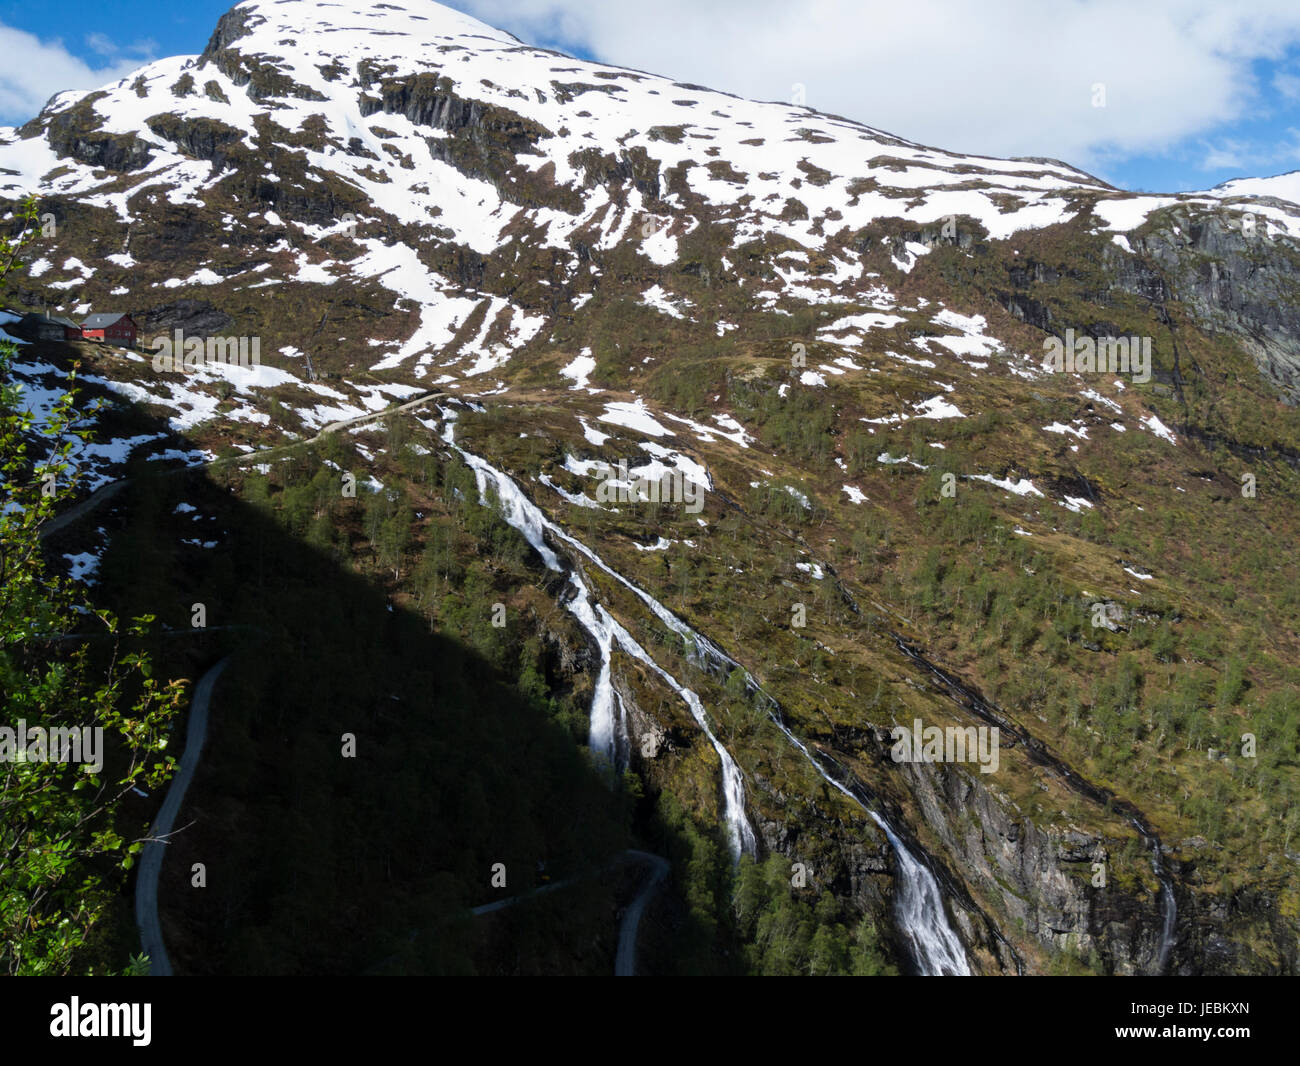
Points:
[344,142]
[406,148]
[832,331]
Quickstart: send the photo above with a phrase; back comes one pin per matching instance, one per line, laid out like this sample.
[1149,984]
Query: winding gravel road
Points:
[151,856]
[101,495]
[625,959]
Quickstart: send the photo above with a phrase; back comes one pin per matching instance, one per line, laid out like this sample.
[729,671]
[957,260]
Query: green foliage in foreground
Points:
[62,852]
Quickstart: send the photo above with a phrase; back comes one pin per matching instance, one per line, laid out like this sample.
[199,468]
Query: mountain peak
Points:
[297,38]
[277,23]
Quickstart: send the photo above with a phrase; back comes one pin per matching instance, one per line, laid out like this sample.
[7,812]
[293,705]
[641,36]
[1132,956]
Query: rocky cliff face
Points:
[1039,879]
[1233,278]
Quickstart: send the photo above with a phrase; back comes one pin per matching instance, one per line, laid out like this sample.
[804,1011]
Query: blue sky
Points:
[1162,95]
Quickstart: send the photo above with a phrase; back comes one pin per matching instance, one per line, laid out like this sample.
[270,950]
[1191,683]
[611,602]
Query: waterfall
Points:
[1169,905]
[918,905]
[934,944]
[602,737]
[607,728]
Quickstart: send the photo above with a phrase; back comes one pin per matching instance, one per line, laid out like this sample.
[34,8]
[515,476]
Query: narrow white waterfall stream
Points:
[603,737]
[919,904]
[608,726]
[1169,904]
[1167,926]
[935,946]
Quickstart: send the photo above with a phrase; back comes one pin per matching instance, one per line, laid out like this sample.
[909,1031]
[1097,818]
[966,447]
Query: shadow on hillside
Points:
[317,863]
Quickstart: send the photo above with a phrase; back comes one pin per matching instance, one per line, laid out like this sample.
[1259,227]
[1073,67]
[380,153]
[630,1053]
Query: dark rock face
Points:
[425,99]
[634,167]
[1234,279]
[200,138]
[263,78]
[1028,310]
[75,133]
[195,318]
[234,24]
[485,139]
[1219,930]
[1040,876]
[428,100]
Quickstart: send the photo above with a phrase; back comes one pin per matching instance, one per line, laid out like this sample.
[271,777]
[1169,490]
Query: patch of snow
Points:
[579,370]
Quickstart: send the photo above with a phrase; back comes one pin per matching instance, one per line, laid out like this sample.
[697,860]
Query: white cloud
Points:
[1287,85]
[1230,154]
[1004,77]
[98,42]
[1281,149]
[47,67]
[106,46]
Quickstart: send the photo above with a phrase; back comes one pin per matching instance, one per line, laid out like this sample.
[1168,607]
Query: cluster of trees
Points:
[686,386]
[800,424]
[789,931]
[775,500]
[749,919]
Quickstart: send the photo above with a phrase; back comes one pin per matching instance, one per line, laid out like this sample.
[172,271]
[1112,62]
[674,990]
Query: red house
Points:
[111,327]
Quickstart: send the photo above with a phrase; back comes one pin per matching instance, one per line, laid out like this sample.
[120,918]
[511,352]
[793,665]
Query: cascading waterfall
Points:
[935,946]
[1171,918]
[602,738]
[608,726]
[1169,904]
[919,904]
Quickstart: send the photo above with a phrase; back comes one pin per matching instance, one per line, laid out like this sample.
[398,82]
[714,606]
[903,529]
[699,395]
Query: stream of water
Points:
[933,943]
